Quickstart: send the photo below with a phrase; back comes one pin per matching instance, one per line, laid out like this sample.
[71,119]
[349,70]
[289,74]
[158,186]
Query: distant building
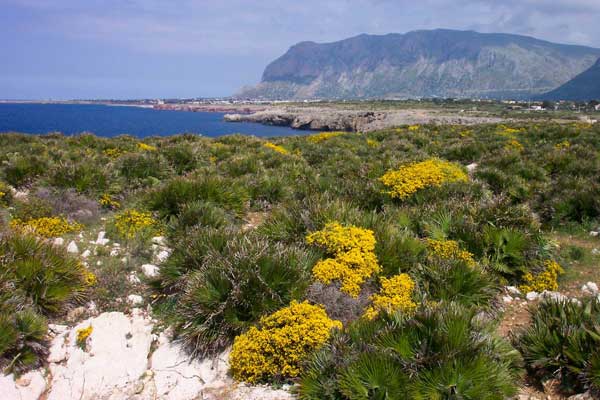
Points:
[597,107]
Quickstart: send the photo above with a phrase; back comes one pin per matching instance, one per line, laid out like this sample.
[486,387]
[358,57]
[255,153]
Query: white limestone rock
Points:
[507,299]
[163,255]
[159,240]
[135,299]
[29,386]
[101,239]
[72,248]
[58,241]
[111,369]
[590,288]
[86,254]
[472,167]
[594,233]
[150,270]
[513,291]
[532,296]
[133,278]
[554,296]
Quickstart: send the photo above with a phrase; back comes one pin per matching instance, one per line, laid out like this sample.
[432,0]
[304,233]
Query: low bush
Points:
[563,342]
[36,280]
[223,285]
[445,352]
[275,350]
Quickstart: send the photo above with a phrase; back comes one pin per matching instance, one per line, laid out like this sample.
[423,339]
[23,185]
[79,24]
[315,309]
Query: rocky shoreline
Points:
[315,118]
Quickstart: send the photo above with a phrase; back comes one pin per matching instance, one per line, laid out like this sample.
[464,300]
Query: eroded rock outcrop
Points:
[123,359]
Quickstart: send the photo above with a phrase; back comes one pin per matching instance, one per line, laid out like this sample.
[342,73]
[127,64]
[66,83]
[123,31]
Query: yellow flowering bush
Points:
[83,334]
[449,250]
[513,144]
[353,256]
[129,223]
[414,128]
[372,143]
[146,147]
[322,136]
[106,200]
[395,294]
[282,341]
[47,227]
[546,280]
[90,278]
[562,145]
[413,177]
[113,153]
[275,147]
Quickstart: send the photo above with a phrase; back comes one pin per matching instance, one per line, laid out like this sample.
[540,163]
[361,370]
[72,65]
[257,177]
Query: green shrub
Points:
[36,280]
[169,199]
[563,342]
[440,353]
[456,281]
[220,288]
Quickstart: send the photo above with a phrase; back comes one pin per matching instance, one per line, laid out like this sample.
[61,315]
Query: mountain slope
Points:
[585,86]
[442,62]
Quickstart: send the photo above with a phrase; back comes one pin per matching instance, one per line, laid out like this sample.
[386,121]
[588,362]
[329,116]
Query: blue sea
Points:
[109,121]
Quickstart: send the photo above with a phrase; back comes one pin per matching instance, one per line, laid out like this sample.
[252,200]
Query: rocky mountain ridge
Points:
[428,63]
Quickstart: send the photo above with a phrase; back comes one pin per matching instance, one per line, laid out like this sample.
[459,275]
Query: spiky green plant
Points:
[225,289]
[445,352]
[563,341]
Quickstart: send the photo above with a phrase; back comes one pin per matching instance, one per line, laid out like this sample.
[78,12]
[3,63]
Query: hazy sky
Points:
[65,49]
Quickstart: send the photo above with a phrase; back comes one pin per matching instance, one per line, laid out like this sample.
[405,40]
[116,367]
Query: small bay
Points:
[109,121]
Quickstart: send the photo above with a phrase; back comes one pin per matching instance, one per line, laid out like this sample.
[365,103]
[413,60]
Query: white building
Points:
[597,107]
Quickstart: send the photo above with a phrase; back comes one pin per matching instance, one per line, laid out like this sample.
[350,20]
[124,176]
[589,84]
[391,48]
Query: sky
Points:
[124,49]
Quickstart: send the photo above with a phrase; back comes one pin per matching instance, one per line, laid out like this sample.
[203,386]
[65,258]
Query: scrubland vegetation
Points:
[356,266]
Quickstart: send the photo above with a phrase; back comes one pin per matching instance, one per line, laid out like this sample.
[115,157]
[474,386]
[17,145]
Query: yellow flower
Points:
[353,256]
[562,145]
[413,177]
[277,148]
[514,144]
[321,137]
[546,280]
[449,250]
[90,278]
[146,147]
[395,295]
[47,227]
[113,153]
[83,334]
[414,128]
[107,201]
[281,342]
[372,143]
[129,223]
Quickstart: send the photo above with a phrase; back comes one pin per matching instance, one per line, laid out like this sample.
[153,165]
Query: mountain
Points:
[427,63]
[585,86]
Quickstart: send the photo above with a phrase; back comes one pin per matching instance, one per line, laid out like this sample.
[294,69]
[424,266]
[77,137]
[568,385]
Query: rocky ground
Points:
[127,354]
[339,119]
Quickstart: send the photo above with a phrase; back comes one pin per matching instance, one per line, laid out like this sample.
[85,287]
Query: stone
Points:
[135,299]
[86,254]
[532,296]
[595,252]
[101,239]
[472,167]
[72,248]
[133,278]
[507,299]
[159,240]
[58,241]
[581,396]
[150,270]
[162,256]
[117,358]
[554,296]
[29,386]
[513,290]
[590,288]
[114,252]
[594,233]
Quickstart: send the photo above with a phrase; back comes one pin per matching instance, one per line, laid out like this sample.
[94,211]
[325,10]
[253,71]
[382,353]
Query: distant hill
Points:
[428,63]
[585,86]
